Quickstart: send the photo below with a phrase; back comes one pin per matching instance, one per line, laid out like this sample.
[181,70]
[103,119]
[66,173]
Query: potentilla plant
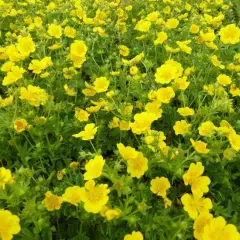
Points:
[119,119]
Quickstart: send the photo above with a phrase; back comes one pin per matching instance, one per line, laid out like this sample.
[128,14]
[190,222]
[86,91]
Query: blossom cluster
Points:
[119,119]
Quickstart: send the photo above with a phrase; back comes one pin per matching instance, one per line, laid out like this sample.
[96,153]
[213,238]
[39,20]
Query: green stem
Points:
[93,146]
[137,139]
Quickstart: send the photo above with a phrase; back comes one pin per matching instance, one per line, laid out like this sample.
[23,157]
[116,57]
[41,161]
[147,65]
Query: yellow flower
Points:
[94,168]
[34,95]
[159,186]
[12,53]
[194,171]
[113,73]
[200,222]
[208,37]
[78,50]
[137,166]
[169,153]
[37,66]
[206,128]
[52,202]
[69,91]
[152,95]
[73,195]
[184,46]
[129,8]
[237,57]
[134,70]
[88,133]
[100,103]
[234,90]
[194,29]
[17,71]
[127,152]
[219,2]
[161,38]
[199,146]
[9,79]
[154,108]
[70,32]
[186,111]
[195,205]
[38,21]
[9,225]
[124,125]
[13,76]
[181,127]
[172,50]
[142,122]
[101,84]
[5,177]
[167,202]
[172,23]
[124,50]
[51,6]
[6,101]
[199,184]
[78,61]
[39,120]
[229,153]
[149,139]
[59,175]
[7,66]
[99,30]
[47,61]
[134,236]
[74,165]
[234,140]
[188,71]
[25,45]
[218,229]
[89,21]
[215,61]
[110,214]
[224,79]
[165,95]
[167,10]
[183,16]
[143,26]
[153,16]
[225,128]
[69,72]
[81,115]
[88,92]
[44,75]
[230,34]
[138,58]
[95,197]
[211,45]
[114,123]
[55,30]
[181,83]
[168,71]
[93,109]
[20,125]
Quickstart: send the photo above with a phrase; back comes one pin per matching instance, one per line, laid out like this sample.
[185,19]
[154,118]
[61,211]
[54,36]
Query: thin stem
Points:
[137,139]
[28,140]
[93,146]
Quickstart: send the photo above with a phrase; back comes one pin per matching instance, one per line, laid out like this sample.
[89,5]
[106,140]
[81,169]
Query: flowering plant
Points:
[119,119]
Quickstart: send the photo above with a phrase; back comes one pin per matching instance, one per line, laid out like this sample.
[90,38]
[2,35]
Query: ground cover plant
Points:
[119,119]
